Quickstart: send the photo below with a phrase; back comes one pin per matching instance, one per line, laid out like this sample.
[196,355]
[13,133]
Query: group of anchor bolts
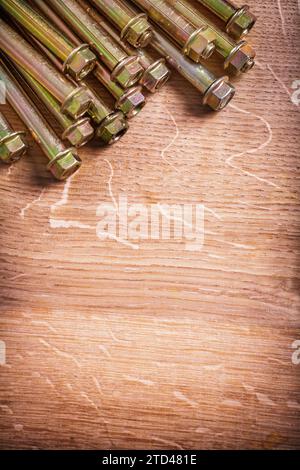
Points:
[50,49]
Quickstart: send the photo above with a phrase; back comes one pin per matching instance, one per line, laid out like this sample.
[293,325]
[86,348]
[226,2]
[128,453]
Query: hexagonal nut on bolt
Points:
[79,133]
[200,45]
[138,31]
[77,103]
[241,59]
[80,62]
[241,23]
[128,72]
[64,164]
[12,147]
[219,94]
[131,102]
[112,128]
[156,76]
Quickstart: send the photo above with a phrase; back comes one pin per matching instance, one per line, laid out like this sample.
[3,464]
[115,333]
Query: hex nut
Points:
[138,31]
[79,133]
[241,59]
[12,148]
[112,128]
[80,62]
[77,103]
[200,45]
[219,94]
[128,72]
[241,23]
[64,165]
[155,76]
[131,102]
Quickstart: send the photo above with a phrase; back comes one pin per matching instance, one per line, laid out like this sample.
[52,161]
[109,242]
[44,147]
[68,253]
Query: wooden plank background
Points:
[157,347]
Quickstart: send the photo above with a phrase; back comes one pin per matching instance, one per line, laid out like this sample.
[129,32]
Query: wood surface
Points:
[117,346]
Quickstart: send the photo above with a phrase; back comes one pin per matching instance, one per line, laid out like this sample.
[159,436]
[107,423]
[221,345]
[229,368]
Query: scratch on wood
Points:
[59,352]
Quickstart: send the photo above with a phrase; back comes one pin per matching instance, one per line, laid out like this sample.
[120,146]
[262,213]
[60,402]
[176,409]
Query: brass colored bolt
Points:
[196,43]
[63,162]
[111,126]
[98,111]
[239,21]
[78,62]
[130,101]
[133,27]
[217,93]
[74,101]
[237,57]
[78,132]
[12,145]
[156,73]
[125,69]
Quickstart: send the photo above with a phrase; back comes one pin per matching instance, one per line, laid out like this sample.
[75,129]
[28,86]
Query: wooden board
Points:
[143,343]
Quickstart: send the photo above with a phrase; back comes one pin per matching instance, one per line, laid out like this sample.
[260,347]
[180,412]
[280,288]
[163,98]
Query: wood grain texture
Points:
[111,347]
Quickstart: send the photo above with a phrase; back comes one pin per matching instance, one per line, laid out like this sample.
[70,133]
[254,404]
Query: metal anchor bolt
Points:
[63,162]
[237,57]
[133,27]
[217,92]
[196,43]
[74,100]
[111,125]
[78,62]
[12,145]
[78,132]
[239,21]
[130,101]
[125,69]
[156,73]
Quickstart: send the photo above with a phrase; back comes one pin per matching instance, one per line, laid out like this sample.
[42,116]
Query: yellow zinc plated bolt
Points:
[130,101]
[12,145]
[126,70]
[78,132]
[78,62]
[111,126]
[217,92]
[156,73]
[63,162]
[239,57]
[133,27]
[238,21]
[74,100]
[196,43]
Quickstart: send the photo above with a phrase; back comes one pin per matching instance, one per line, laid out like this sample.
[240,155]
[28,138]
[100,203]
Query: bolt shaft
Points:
[194,41]
[21,52]
[38,27]
[111,54]
[40,130]
[130,101]
[196,74]
[53,107]
[133,27]
[238,21]
[150,65]
[78,61]
[225,46]
[222,8]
